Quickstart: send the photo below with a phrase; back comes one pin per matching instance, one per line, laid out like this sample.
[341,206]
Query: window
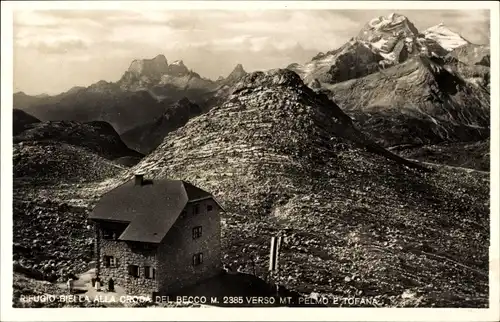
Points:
[196,209]
[147,246]
[110,261]
[149,272]
[133,270]
[196,232]
[197,259]
[108,234]
[210,208]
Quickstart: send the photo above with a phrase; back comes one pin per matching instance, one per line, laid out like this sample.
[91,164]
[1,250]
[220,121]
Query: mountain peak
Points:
[391,22]
[238,67]
[445,37]
[237,73]
[177,68]
[178,63]
[160,59]
[153,68]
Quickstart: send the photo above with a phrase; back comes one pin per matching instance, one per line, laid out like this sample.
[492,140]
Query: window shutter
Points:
[116,262]
[153,273]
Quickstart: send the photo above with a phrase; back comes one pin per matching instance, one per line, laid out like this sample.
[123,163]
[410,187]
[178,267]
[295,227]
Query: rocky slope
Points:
[21,121]
[280,157]
[421,101]
[471,54]
[352,60]
[473,155]
[51,239]
[44,162]
[147,137]
[98,137]
[381,43]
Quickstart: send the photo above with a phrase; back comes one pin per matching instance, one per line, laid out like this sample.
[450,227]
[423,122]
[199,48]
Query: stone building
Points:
[156,236]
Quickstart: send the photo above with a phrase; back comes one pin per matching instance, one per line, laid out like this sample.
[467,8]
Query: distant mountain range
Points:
[141,96]
[407,87]
[383,42]
[400,85]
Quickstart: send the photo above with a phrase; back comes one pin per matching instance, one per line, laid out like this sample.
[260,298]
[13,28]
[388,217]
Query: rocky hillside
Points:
[381,43]
[421,101]
[50,239]
[21,121]
[473,155]
[147,137]
[98,137]
[56,162]
[471,54]
[357,221]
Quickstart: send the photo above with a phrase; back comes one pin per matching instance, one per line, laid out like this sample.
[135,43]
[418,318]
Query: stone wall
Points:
[128,253]
[175,253]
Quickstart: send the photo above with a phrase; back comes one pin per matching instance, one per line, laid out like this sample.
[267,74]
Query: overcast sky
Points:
[56,50]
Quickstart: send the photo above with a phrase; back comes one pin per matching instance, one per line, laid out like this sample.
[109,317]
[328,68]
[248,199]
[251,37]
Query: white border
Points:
[240,314]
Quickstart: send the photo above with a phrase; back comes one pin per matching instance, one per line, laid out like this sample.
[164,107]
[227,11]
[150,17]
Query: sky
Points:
[55,50]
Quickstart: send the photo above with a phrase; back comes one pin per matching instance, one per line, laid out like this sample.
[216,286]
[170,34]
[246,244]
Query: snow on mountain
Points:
[448,39]
[382,42]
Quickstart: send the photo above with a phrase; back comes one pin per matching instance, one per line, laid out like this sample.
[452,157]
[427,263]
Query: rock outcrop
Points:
[21,121]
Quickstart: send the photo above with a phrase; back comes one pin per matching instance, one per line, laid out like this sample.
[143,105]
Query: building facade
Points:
[144,258]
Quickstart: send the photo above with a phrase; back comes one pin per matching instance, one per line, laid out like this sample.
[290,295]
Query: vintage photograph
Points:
[287,157]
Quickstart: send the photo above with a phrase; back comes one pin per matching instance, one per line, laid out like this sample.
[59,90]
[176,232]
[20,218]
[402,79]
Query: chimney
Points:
[139,179]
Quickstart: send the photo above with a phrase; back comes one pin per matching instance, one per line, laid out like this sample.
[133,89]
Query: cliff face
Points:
[382,42]
[420,101]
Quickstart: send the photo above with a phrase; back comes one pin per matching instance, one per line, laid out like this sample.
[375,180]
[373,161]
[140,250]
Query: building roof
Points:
[151,208]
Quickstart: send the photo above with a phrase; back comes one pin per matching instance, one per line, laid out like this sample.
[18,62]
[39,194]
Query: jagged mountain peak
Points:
[237,73]
[238,67]
[151,68]
[178,62]
[393,23]
[177,68]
